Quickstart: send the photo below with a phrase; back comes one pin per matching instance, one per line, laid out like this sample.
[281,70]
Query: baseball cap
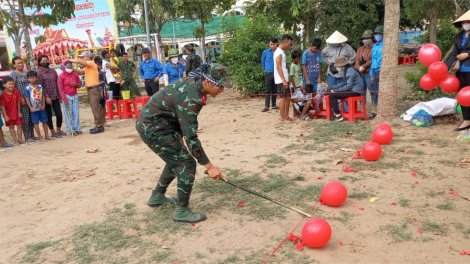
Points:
[145,50]
[86,54]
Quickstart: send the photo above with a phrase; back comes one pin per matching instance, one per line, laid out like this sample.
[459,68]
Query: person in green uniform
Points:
[193,61]
[169,116]
[128,73]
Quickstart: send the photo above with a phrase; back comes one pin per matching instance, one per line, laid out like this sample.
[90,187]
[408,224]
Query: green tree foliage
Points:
[242,53]
[202,10]
[445,35]
[61,11]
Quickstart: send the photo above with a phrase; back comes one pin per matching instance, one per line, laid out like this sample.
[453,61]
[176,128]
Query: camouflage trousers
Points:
[179,164]
[130,84]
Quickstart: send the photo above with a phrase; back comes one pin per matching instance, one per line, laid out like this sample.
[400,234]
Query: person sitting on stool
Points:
[351,86]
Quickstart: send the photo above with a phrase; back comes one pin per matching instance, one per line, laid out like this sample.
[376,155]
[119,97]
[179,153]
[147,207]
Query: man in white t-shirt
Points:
[281,77]
[116,88]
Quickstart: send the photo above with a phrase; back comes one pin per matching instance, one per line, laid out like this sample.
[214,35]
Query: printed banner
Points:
[410,36]
[92,26]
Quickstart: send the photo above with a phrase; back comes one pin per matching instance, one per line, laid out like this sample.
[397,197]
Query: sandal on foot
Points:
[265,109]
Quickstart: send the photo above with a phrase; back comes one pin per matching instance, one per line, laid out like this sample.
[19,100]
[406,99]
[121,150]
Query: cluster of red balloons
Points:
[317,232]
[430,56]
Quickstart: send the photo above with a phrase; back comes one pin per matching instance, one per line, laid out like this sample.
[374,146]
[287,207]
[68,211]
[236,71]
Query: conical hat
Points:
[464,17]
[336,38]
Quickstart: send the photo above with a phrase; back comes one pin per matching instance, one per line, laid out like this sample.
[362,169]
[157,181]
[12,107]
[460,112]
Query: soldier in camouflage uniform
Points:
[170,115]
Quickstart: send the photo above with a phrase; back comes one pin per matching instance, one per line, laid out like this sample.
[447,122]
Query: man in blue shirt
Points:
[150,71]
[268,65]
[376,65]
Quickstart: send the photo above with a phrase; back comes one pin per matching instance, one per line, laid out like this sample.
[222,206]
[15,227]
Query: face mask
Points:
[466,26]
[69,70]
[367,42]
[378,37]
[174,60]
[45,64]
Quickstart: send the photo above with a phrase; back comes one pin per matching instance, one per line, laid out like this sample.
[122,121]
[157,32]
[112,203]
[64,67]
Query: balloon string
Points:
[357,155]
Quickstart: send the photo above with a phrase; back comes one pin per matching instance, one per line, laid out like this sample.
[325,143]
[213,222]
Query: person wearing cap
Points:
[92,84]
[376,65]
[173,70]
[337,48]
[363,62]
[168,121]
[193,61]
[461,52]
[150,71]
[311,59]
[267,63]
[352,85]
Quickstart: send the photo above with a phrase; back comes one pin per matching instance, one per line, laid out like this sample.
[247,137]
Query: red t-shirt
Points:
[11,103]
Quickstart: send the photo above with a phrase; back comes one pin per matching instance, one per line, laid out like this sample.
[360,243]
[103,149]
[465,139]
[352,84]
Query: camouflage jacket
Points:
[193,61]
[172,113]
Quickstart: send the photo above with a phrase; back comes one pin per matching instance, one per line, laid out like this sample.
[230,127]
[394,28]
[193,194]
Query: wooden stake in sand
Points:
[267,198]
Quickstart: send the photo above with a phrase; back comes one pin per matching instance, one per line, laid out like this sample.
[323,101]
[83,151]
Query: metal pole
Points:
[174,44]
[147,28]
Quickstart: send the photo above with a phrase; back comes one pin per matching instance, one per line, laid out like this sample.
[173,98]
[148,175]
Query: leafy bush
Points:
[418,93]
[243,50]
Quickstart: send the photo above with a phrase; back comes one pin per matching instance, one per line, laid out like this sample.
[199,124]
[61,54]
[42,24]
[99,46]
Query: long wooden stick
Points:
[267,198]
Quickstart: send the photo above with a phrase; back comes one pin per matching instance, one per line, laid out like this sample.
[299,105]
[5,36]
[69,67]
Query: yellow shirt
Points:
[91,74]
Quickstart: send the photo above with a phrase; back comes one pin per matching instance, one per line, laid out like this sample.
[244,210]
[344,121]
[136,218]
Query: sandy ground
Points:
[47,189]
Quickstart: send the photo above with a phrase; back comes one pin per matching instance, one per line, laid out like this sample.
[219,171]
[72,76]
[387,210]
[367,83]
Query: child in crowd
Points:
[3,144]
[10,101]
[36,102]
[295,76]
[114,62]
[303,102]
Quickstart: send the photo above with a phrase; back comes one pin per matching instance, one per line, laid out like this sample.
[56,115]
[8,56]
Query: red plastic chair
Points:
[325,109]
[142,101]
[353,112]
[110,113]
[126,108]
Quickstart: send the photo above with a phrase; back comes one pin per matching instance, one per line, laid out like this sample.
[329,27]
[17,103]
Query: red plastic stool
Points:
[406,60]
[353,112]
[325,109]
[125,108]
[142,101]
[110,113]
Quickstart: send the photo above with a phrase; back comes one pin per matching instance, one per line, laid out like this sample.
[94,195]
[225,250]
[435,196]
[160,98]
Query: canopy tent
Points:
[184,29]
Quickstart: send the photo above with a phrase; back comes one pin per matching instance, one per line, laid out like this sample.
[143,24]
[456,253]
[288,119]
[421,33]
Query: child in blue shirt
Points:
[35,99]
[303,102]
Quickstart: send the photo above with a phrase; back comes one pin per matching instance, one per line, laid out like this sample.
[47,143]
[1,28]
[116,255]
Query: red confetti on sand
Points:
[416,182]
[413,174]
[407,152]
[358,155]
[394,203]
[299,246]
[293,238]
[360,208]
[241,204]
[419,231]
[175,262]
[374,169]
[346,169]
[193,224]
[280,201]
[465,252]
[422,144]
[463,164]
[341,243]
[363,185]
[320,178]
[453,193]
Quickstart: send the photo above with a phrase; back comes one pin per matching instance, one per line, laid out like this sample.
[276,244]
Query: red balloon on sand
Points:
[383,125]
[334,194]
[438,70]
[371,151]
[463,97]
[382,136]
[450,84]
[316,233]
[428,54]
[428,83]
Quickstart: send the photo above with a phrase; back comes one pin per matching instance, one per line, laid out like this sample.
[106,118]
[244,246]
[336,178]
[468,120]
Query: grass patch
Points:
[434,228]
[326,132]
[404,202]
[398,233]
[358,195]
[448,206]
[351,178]
[343,218]
[34,250]
[275,160]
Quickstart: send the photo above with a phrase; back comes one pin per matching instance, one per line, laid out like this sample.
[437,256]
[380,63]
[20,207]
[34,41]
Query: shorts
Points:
[16,122]
[1,122]
[314,83]
[39,116]
[283,92]
[301,108]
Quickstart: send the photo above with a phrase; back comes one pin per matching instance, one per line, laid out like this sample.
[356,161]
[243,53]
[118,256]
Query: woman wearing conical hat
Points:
[337,48]
[461,52]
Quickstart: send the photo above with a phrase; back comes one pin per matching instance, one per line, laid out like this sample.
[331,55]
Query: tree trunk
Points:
[17,42]
[29,50]
[388,75]
[203,36]
[160,44]
[433,25]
